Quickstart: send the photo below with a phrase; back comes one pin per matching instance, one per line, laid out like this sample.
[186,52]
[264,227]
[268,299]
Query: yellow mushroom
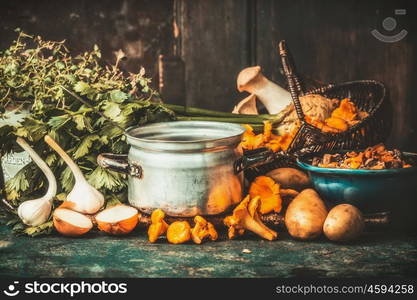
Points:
[158,226]
[179,232]
[268,191]
[245,216]
[202,230]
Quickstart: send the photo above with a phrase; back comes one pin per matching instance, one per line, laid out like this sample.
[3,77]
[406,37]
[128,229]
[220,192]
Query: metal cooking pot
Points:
[185,168]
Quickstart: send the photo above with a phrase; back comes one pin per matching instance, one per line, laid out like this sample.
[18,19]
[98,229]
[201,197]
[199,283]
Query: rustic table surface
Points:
[376,254]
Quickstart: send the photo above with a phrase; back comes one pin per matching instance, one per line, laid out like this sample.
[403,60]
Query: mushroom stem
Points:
[256,227]
[274,97]
[245,216]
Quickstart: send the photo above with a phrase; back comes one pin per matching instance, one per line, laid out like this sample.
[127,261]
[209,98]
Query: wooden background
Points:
[206,43]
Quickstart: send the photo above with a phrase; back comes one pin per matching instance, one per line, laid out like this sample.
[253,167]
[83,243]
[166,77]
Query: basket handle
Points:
[293,81]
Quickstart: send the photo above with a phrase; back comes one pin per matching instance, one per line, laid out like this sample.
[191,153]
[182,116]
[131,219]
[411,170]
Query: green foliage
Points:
[34,75]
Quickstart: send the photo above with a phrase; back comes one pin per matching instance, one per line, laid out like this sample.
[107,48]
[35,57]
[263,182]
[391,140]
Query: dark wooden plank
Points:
[332,42]
[214,46]
[171,79]
[377,254]
[142,29]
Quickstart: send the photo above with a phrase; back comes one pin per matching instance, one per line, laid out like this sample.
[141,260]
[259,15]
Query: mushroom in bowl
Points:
[369,188]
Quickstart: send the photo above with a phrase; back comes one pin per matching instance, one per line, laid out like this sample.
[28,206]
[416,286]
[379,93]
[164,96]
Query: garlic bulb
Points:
[36,212]
[83,197]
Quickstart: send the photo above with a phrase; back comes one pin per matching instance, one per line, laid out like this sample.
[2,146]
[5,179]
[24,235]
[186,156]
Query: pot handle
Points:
[119,163]
[254,158]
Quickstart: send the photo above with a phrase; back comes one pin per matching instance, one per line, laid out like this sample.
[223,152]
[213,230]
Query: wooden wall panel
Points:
[331,41]
[141,28]
[214,46]
[215,39]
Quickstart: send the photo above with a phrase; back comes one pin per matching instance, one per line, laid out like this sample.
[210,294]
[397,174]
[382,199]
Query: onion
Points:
[118,219]
[71,223]
[86,199]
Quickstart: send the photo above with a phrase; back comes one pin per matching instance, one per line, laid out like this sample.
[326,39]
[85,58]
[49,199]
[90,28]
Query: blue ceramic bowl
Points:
[369,190]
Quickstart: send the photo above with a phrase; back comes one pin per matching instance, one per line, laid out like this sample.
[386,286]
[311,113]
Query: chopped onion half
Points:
[71,223]
[118,219]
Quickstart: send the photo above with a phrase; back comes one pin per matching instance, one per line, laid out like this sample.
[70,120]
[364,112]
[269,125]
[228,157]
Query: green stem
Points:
[220,119]
[257,126]
[199,112]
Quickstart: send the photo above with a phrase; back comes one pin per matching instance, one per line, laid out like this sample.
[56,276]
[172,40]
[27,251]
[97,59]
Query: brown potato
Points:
[305,215]
[290,178]
[343,223]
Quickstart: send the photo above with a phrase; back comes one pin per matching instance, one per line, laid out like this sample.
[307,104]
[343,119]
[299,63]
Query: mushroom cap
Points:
[246,106]
[247,75]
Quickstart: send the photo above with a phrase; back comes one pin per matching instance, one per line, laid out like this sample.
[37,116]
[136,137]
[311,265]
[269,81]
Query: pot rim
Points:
[209,134]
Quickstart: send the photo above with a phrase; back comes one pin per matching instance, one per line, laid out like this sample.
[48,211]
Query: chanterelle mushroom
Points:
[245,216]
[158,226]
[202,230]
[274,97]
[268,191]
[179,232]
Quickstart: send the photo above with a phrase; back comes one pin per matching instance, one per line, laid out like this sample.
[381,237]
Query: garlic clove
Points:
[35,212]
[118,219]
[71,223]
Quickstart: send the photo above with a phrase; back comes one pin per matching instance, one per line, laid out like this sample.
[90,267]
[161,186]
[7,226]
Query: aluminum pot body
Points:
[185,168]
[185,184]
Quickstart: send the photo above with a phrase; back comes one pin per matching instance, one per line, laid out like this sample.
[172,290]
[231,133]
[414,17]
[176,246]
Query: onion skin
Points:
[68,229]
[119,228]
[67,204]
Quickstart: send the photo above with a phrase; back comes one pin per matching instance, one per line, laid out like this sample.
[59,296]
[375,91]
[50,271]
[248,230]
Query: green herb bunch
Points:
[34,76]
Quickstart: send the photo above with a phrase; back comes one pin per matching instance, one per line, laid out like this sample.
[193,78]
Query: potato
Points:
[290,178]
[343,223]
[305,215]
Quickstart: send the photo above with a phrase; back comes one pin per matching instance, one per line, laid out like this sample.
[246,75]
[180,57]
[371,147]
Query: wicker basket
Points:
[367,95]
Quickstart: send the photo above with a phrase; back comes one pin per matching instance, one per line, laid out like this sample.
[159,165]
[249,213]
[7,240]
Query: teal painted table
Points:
[376,254]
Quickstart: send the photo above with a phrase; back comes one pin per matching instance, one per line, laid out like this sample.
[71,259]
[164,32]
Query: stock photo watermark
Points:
[389,24]
[63,288]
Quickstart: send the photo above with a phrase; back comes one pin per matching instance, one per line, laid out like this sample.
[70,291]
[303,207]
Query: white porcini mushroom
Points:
[273,97]
[246,106]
